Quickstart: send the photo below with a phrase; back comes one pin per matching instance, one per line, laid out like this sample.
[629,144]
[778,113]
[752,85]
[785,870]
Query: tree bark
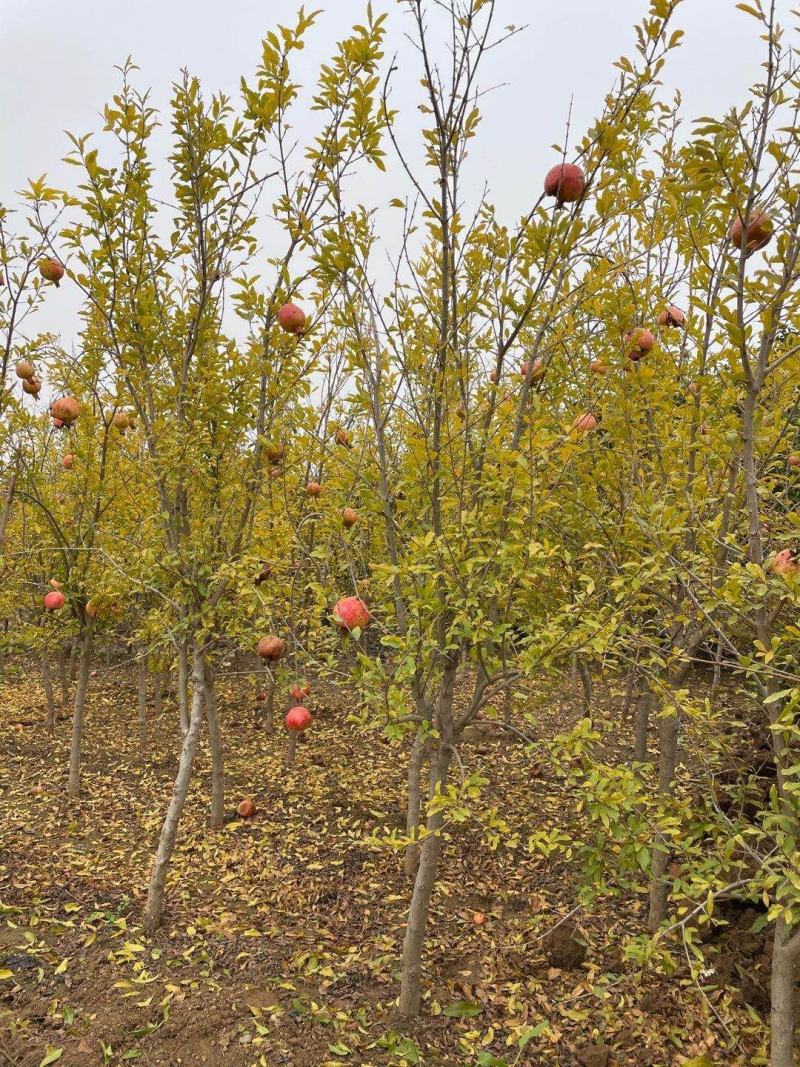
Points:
[62,674]
[659,854]
[414,804]
[425,880]
[586,683]
[47,684]
[84,660]
[154,909]
[291,748]
[8,501]
[216,749]
[158,691]
[782,996]
[183,687]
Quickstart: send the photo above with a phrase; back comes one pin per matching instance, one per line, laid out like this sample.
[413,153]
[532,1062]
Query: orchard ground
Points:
[282,937]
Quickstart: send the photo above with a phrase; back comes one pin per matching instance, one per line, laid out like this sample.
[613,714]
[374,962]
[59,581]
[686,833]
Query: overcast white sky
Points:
[57,62]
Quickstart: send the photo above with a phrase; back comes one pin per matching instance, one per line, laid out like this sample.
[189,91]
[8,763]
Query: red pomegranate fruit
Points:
[298,719]
[566,182]
[351,613]
[760,231]
[585,423]
[291,318]
[66,409]
[349,518]
[313,489]
[271,648]
[25,370]
[536,371]
[784,563]
[639,342]
[246,809]
[68,462]
[52,271]
[343,439]
[299,692]
[54,600]
[671,316]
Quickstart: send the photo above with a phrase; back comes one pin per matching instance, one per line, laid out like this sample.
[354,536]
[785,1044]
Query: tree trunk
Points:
[154,908]
[782,990]
[291,747]
[183,687]
[73,658]
[659,854]
[414,941]
[642,727]
[630,689]
[414,804]
[215,746]
[158,691]
[586,682]
[8,500]
[142,704]
[84,660]
[48,692]
[62,674]
[717,666]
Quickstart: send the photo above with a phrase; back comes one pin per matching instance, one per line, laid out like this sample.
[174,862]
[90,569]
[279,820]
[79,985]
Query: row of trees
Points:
[533,478]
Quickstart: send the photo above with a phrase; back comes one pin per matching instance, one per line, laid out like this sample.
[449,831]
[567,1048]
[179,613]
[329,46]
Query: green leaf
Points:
[51,1055]
[462,1009]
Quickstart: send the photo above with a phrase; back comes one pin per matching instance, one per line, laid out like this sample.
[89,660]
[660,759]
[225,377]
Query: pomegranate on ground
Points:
[246,809]
[566,182]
